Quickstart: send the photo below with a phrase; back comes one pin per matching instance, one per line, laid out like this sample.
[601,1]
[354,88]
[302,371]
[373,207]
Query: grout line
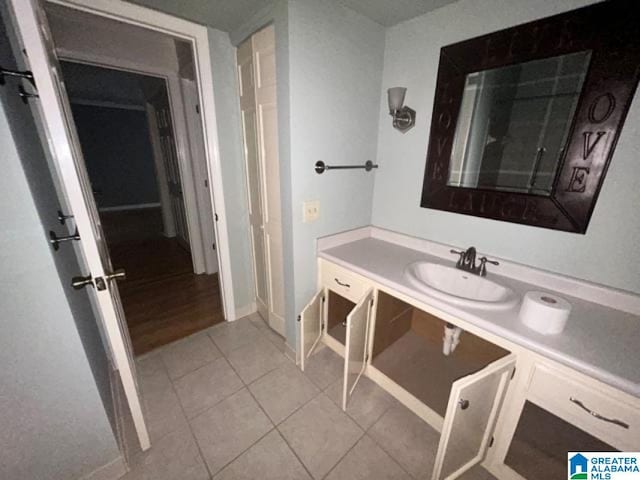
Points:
[282,421]
[272,429]
[385,450]
[292,450]
[193,435]
[209,407]
[194,370]
[299,408]
[244,385]
[346,453]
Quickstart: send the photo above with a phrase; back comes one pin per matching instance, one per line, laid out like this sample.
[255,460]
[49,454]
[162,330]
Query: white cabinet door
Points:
[355,353]
[311,323]
[474,404]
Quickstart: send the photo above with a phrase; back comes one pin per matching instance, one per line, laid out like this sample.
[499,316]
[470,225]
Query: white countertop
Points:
[598,340]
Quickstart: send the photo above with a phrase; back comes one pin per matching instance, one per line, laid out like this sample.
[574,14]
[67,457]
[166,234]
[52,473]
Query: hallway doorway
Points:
[126,133]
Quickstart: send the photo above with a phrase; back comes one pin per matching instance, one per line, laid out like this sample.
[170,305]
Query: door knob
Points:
[80,282]
[118,274]
[464,404]
[101,282]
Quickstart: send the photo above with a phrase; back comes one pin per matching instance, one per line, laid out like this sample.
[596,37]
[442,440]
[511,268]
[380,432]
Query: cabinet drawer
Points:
[348,284]
[590,406]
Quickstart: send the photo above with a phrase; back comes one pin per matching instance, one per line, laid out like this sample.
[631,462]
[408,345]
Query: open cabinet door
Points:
[311,322]
[355,351]
[474,404]
[68,166]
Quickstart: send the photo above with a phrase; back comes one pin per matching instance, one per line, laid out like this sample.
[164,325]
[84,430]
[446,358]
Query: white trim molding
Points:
[137,206]
[111,471]
[246,310]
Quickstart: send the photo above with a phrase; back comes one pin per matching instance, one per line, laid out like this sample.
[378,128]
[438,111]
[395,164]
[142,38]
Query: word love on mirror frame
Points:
[526,120]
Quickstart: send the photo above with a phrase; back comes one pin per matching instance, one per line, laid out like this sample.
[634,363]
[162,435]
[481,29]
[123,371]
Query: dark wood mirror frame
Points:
[610,31]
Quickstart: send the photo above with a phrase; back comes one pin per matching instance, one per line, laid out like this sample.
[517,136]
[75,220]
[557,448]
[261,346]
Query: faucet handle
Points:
[460,259]
[486,260]
[483,265]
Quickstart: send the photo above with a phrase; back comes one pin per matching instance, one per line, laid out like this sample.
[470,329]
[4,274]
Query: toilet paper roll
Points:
[544,312]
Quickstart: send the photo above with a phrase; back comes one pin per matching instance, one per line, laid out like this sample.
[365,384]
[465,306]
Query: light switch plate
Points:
[310,211]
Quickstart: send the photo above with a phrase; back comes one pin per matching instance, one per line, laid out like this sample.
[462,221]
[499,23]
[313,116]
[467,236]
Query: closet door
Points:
[246,82]
[264,65]
[474,404]
[355,354]
[311,324]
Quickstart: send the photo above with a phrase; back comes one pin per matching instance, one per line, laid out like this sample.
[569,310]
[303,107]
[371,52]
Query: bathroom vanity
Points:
[506,396]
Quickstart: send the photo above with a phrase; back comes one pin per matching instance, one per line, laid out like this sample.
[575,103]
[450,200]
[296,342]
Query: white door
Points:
[355,350]
[254,184]
[167,141]
[474,404]
[189,90]
[55,113]
[264,65]
[311,324]
[257,78]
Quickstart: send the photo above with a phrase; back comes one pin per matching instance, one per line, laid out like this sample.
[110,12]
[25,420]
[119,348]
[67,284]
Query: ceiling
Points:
[392,12]
[227,15]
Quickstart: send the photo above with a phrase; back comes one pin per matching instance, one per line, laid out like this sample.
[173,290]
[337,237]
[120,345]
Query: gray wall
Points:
[329,63]
[225,88]
[335,82]
[606,254]
[53,422]
[117,151]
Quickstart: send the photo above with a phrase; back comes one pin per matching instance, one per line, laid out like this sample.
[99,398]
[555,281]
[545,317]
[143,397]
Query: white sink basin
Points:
[459,287]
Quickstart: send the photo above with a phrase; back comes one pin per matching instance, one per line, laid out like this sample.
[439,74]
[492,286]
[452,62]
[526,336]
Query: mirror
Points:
[514,122]
[525,120]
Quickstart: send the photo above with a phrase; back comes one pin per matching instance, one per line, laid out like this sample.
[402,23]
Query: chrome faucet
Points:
[467,262]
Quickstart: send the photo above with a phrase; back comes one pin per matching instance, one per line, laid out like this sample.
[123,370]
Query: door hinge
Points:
[366,358]
[513,373]
[215,216]
[299,318]
[197,109]
[323,299]
[206,182]
[491,442]
[213,245]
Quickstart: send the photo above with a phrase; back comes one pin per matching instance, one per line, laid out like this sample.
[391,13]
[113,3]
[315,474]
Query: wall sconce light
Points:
[404,118]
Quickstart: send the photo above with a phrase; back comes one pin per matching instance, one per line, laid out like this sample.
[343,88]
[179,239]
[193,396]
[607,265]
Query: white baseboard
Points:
[111,471]
[291,353]
[122,208]
[245,310]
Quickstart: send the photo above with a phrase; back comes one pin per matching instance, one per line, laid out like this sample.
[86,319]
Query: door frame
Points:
[197,243]
[197,36]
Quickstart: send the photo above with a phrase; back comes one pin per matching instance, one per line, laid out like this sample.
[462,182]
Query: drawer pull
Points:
[342,284]
[615,421]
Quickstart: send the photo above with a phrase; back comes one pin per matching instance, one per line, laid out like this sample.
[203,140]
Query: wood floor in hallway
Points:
[162,298]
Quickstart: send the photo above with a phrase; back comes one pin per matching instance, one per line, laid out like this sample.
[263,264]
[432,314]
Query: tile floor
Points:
[226,403]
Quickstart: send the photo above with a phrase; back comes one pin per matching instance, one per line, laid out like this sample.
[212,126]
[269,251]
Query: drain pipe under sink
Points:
[451,338]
